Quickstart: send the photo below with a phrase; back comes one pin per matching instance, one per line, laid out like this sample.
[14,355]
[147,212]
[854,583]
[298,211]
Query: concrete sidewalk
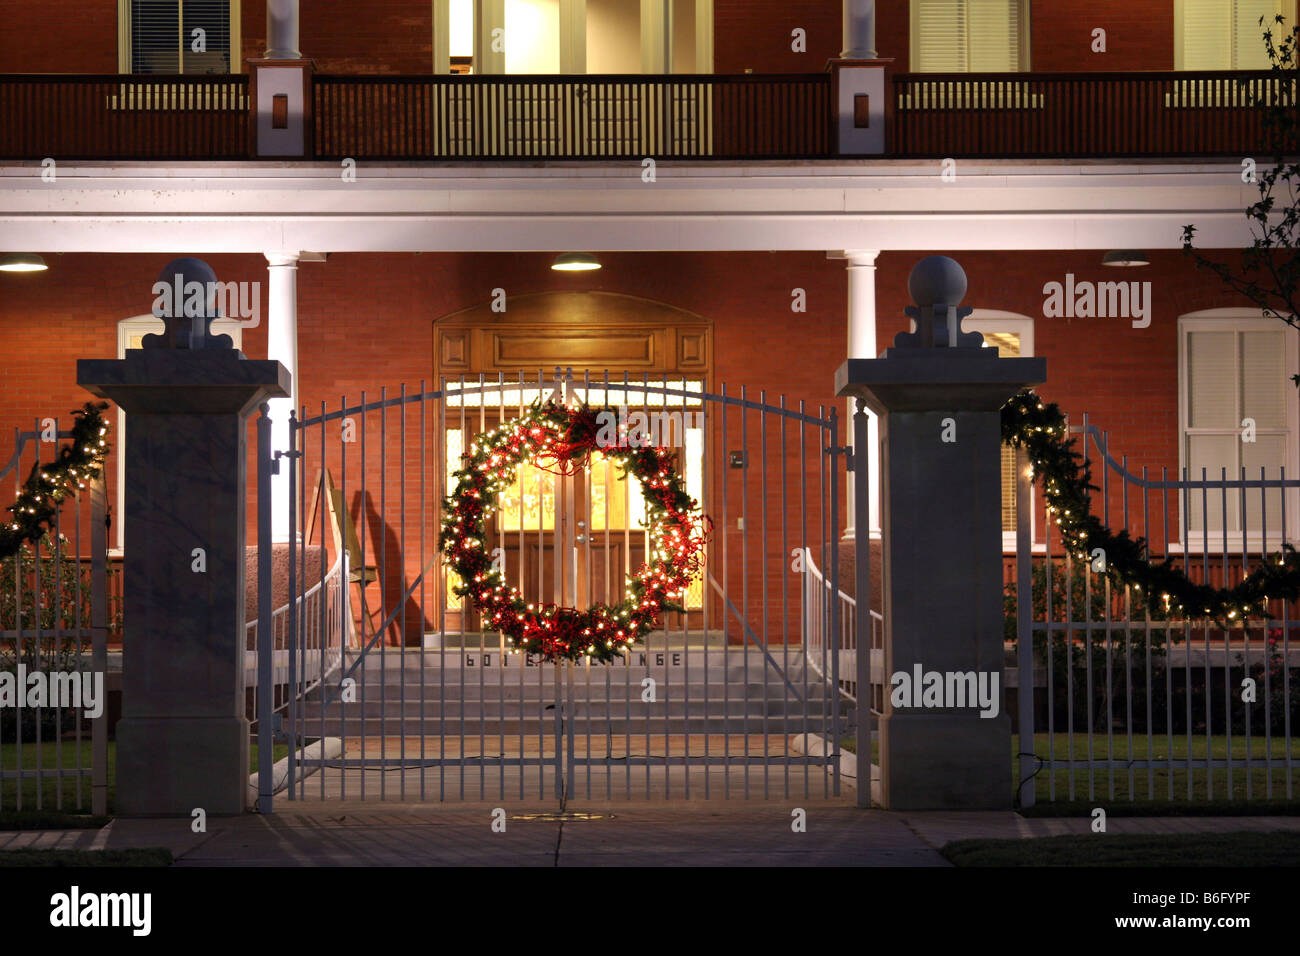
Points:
[593,834]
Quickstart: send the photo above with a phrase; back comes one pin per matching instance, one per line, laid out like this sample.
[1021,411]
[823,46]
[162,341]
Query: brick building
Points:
[797,180]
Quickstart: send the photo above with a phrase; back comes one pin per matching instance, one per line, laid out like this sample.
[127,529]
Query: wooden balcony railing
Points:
[123,117]
[788,116]
[1082,115]
[573,117]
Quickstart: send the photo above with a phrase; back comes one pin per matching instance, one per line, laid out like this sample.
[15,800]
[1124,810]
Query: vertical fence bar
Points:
[762,438]
[834,596]
[1286,657]
[1024,627]
[292,642]
[862,594]
[785,607]
[401,576]
[98,641]
[726,641]
[265,637]
[808,607]
[381,558]
[444,593]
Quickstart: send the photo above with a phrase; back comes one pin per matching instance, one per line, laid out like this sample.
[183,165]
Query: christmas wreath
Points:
[562,440]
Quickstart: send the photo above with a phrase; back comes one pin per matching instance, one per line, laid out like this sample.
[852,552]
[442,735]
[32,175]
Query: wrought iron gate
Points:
[427,704]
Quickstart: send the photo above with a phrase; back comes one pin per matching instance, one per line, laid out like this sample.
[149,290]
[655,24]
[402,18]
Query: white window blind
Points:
[965,36]
[1226,34]
[1231,376]
[163,40]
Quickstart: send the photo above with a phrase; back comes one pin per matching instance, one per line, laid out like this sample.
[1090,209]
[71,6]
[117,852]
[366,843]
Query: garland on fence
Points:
[78,462]
[562,440]
[1066,480]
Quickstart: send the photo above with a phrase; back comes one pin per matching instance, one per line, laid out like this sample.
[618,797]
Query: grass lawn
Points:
[1188,849]
[150,856]
[61,794]
[1142,784]
[1148,792]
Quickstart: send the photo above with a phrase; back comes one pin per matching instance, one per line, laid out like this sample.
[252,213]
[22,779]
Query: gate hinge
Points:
[275,459]
[846,451]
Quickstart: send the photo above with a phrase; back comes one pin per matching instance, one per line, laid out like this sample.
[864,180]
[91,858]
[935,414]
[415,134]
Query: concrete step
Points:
[597,709]
[730,673]
[545,726]
[494,691]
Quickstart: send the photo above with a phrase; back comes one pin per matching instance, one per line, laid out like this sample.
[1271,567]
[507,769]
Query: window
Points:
[1013,336]
[970,36]
[130,335]
[1235,366]
[1226,34]
[163,36]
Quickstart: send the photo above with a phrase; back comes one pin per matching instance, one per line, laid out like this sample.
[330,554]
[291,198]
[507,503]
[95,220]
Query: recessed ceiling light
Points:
[575,262]
[1125,258]
[22,262]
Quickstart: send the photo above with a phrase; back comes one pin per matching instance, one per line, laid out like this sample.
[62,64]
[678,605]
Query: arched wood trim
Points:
[584,330]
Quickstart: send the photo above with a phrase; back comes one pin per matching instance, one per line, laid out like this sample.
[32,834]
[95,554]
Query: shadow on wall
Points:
[389,591]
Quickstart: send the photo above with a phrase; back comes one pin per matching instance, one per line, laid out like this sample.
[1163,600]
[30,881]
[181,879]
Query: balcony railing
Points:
[124,116]
[572,117]
[1019,115]
[788,116]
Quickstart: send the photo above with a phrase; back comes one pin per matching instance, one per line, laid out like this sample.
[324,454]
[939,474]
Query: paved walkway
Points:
[593,834]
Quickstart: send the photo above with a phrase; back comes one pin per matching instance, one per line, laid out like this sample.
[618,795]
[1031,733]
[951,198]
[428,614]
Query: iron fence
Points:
[1151,703]
[53,632]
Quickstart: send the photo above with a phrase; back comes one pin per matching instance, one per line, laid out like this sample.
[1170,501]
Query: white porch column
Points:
[441,37]
[282,345]
[656,36]
[282,30]
[573,36]
[703,36]
[859,31]
[861,267]
[489,51]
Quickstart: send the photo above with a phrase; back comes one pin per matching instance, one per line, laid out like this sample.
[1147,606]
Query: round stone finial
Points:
[937,280]
[179,273]
[185,298]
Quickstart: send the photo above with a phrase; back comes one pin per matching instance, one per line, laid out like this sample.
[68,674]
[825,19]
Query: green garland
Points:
[1066,480]
[78,462]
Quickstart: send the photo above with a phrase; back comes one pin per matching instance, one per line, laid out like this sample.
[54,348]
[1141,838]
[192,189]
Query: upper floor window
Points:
[179,36]
[1226,34]
[970,36]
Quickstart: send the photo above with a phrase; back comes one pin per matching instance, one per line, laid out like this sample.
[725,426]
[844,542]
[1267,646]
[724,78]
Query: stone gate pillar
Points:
[182,742]
[938,394]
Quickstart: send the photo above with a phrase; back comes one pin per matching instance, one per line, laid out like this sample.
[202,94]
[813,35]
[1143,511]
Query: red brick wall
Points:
[755,35]
[380,36]
[58,36]
[894,33]
[1139,35]
[367,321]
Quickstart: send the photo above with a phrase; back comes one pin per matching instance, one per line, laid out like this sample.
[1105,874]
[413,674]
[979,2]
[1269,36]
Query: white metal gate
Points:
[428,704]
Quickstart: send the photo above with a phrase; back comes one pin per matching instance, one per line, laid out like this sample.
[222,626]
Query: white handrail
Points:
[816,622]
[317,658]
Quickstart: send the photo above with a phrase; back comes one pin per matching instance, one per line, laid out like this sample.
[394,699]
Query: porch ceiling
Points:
[288,207]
